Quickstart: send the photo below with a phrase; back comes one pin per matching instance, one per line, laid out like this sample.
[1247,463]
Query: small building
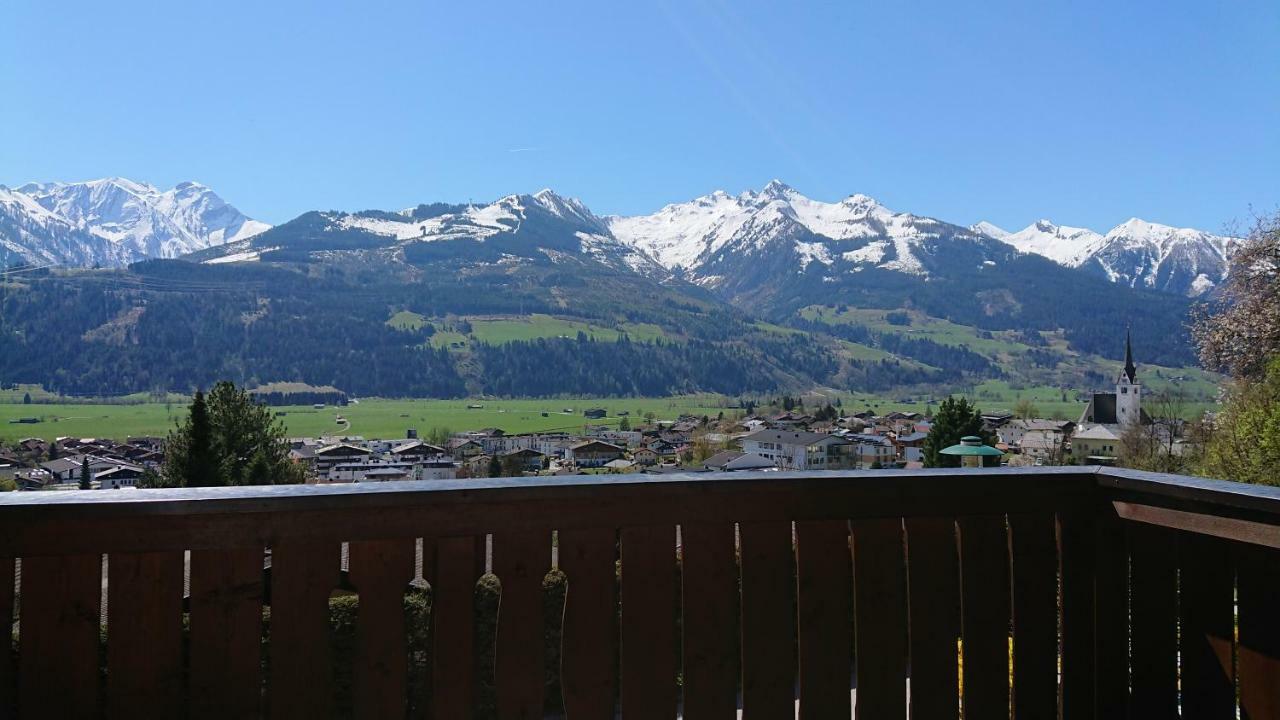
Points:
[1097,445]
[594,453]
[526,459]
[799,450]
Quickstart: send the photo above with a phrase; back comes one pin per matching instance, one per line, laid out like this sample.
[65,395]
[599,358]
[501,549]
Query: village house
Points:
[911,446]
[327,457]
[730,460]
[594,453]
[873,450]
[1097,445]
[798,450]
[525,459]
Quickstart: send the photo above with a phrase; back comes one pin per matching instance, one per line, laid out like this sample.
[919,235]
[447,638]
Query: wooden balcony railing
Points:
[1032,593]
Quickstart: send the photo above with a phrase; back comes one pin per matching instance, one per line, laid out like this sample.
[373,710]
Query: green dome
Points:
[971,445]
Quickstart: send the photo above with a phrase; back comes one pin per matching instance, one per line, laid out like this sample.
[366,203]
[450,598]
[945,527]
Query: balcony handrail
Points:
[38,523]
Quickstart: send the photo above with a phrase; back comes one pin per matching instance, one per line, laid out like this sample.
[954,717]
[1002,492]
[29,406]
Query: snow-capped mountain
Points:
[721,239]
[544,226]
[31,234]
[1135,253]
[114,221]
[1068,246]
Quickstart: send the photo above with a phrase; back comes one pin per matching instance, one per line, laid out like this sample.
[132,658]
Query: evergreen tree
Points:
[26,398]
[86,475]
[495,467]
[624,424]
[955,419]
[229,439]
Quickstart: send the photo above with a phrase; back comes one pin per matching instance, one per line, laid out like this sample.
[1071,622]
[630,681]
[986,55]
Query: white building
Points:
[798,450]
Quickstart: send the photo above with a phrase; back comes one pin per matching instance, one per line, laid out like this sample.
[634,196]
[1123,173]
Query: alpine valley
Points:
[535,295]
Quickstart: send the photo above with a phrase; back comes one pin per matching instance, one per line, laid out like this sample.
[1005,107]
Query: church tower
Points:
[1128,389]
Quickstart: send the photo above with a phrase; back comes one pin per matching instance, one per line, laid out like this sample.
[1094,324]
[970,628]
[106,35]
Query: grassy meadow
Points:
[370,418]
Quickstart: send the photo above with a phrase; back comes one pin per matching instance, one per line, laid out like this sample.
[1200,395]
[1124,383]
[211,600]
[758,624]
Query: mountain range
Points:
[113,221]
[536,295]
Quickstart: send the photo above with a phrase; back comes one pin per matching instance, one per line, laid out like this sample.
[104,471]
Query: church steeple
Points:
[1130,370]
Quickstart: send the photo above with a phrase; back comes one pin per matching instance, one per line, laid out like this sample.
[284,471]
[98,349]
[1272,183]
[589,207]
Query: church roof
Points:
[1130,370]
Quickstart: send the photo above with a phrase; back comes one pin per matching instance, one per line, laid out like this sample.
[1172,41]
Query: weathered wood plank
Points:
[880,614]
[933,571]
[453,588]
[222,518]
[1109,685]
[984,593]
[1206,604]
[226,633]
[58,649]
[302,578]
[8,681]
[1258,589]
[381,572]
[649,643]
[589,650]
[824,603]
[1035,615]
[768,621]
[1154,618]
[144,635]
[521,561]
[710,586]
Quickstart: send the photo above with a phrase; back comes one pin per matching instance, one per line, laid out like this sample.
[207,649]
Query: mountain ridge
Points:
[115,221]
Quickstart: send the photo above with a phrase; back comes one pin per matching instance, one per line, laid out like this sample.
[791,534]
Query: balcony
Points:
[1036,593]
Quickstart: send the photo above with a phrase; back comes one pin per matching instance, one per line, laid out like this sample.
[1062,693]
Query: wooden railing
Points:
[988,592]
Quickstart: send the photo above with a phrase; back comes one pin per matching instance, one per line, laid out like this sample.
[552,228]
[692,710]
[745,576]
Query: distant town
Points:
[783,436]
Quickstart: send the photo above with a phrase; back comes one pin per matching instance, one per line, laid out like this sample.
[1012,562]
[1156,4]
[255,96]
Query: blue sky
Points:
[1084,112]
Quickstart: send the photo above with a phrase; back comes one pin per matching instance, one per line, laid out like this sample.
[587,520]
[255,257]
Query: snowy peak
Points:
[1070,246]
[136,220]
[539,227]
[990,230]
[1136,253]
[780,221]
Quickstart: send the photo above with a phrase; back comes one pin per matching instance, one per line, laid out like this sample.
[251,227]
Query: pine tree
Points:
[495,467]
[955,419]
[229,439]
[26,398]
[624,424]
[201,466]
[86,475]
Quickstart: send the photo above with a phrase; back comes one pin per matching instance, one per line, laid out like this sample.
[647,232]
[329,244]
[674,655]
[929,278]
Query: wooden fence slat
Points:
[824,605]
[649,645]
[58,648]
[1035,615]
[144,635]
[1206,604]
[381,571]
[709,589]
[1111,613]
[520,560]
[8,681]
[933,572]
[984,597]
[226,633]
[1078,552]
[1258,581]
[453,589]
[589,650]
[768,618]
[303,575]
[880,614]
[1154,618]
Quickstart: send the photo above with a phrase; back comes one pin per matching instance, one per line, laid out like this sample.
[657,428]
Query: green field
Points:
[505,329]
[371,418]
